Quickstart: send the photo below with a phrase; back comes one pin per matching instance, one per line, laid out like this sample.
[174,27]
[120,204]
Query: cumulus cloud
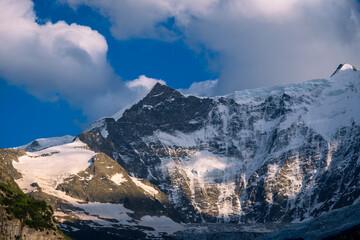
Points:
[59,60]
[259,42]
[51,60]
[49,56]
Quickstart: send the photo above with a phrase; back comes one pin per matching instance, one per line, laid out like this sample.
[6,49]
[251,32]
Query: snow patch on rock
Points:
[118,178]
[150,190]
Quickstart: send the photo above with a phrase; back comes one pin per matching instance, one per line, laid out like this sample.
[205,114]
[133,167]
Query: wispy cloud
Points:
[202,89]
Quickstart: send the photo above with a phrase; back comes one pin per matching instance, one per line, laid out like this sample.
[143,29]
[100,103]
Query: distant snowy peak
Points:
[42,143]
[344,67]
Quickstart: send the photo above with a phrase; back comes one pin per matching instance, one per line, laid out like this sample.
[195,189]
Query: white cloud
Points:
[145,18]
[55,57]
[144,82]
[201,89]
[59,60]
[274,10]
[259,42]
[307,42]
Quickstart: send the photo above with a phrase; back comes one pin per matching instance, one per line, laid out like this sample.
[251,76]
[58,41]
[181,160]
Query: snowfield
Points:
[49,167]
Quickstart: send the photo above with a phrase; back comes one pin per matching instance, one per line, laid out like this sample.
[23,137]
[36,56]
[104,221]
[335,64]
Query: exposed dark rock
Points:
[95,184]
[287,182]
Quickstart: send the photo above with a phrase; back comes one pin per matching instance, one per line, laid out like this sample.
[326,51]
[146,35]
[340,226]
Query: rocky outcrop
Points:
[7,171]
[14,229]
[22,217]
[105,181]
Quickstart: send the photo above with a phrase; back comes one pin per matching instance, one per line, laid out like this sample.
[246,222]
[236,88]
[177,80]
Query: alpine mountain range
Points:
[270,163]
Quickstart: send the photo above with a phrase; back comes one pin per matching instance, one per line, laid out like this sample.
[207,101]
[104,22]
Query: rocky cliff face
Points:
[15,229]
[107,182]
[281,154]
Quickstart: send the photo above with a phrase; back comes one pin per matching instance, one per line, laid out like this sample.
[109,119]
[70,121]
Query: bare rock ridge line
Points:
[264,144]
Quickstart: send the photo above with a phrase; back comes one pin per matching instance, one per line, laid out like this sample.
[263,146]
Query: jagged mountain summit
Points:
[286,155]
[274,154]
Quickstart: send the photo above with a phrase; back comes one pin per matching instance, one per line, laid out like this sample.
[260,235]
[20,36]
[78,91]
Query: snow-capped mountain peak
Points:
[255,155]
[344,67]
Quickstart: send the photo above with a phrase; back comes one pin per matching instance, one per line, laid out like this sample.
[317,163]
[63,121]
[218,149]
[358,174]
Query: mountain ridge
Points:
[151,128]
[280,155]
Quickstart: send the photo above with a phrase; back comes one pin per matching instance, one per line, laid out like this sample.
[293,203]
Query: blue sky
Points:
[58,77]
[28,118]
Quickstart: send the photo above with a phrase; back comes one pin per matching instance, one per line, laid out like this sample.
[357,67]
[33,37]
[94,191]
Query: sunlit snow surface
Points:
[118,178]
[332,102]
[150,190]
[49,167]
